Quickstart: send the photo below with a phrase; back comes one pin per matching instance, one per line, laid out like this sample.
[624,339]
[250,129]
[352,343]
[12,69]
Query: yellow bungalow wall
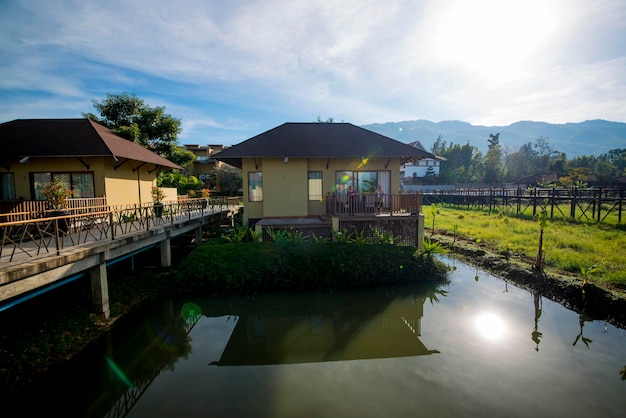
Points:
[285,184]
[122,186]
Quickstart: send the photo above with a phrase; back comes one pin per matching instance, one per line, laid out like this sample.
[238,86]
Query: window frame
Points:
[253,194]
[316,183]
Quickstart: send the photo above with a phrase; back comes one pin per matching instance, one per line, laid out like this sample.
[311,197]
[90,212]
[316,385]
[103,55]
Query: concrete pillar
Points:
[198,237]
[335,225]
[420,231]
[100,289]
[166,253]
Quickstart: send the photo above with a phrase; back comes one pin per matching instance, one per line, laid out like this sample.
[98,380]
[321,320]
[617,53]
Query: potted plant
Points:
[56,194]
[157,198]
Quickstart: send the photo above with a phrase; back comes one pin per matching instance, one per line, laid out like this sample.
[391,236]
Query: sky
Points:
[230,70]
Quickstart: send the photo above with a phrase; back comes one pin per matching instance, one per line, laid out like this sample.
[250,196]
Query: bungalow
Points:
[91,159]
[296,169]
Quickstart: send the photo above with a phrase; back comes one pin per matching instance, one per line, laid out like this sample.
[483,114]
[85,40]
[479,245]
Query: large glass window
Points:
[7,186]
[315,185]
[255,186]
[364,182]
[80,183]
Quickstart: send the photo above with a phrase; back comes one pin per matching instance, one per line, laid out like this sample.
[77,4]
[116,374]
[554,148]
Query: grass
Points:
[569,246]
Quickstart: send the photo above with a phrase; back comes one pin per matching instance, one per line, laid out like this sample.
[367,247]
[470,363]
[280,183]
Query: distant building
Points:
[204,167]
[411,171]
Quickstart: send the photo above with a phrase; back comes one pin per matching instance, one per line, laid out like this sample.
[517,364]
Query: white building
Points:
[421,168]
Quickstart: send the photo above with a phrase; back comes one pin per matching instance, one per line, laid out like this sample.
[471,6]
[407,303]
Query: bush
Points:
[249,267]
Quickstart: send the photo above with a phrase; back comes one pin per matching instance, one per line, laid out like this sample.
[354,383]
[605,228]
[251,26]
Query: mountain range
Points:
[592,137]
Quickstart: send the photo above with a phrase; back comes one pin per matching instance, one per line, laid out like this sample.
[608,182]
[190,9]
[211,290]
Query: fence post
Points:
[112,225]
[599,202]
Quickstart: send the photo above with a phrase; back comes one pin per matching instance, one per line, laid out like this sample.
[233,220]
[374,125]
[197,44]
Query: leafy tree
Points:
[128,116]
[493,161]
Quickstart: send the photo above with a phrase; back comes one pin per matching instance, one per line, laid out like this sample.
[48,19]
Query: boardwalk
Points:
[39,253]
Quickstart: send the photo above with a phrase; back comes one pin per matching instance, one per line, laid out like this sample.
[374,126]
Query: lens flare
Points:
[118,372]
[190,311]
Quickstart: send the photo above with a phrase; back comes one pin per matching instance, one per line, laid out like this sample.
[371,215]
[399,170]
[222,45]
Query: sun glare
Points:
[490,326]
[492,37]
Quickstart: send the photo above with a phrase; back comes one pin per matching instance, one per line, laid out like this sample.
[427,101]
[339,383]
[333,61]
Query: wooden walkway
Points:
[39,253]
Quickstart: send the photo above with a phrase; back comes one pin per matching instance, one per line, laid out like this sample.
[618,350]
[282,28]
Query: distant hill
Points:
[592,137]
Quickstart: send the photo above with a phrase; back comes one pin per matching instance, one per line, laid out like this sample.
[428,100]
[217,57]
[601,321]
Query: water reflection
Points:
[490,326]
[330,330]
[460,350]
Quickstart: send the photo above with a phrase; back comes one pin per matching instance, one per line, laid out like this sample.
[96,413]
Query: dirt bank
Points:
[595,303]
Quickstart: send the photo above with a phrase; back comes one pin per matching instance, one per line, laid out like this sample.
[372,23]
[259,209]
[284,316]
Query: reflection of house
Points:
[92,160]
[205,165]
[420,168]
[289,171]
[384,329]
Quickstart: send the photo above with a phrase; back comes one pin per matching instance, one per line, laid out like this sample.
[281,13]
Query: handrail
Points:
[401,204]
[44,233]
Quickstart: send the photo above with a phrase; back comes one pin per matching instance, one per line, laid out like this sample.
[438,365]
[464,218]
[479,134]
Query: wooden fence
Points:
[588,204]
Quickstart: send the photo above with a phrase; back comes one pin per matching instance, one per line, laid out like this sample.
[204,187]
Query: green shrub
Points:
[293,266]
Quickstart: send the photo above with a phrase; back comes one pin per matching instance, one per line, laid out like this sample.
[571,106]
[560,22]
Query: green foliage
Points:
[180,181]
[342,236]
[259,266]
[431,248]
[150,127]
[239,234]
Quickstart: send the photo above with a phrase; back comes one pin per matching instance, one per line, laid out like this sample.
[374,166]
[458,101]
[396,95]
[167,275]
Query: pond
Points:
[477,347]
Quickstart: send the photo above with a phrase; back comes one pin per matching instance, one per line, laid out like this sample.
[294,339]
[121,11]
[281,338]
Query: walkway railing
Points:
[43,233]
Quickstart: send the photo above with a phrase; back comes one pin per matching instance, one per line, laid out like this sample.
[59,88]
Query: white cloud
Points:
[241,65]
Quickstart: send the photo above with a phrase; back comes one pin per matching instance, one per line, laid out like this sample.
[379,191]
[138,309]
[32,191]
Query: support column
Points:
[100,289]
[335,225]
[198,237]
[166,253]
[420,232]
[259,230]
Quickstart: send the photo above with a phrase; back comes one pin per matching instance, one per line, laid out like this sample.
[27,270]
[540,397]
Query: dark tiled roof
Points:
[319,140]
[46,138]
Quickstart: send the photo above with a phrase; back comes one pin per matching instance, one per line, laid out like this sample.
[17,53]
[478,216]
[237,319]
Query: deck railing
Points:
[41,232]
[401,204]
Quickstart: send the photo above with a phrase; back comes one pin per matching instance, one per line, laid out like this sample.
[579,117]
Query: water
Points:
[478,347]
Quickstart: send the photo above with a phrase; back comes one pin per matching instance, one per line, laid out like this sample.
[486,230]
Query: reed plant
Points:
[569,246]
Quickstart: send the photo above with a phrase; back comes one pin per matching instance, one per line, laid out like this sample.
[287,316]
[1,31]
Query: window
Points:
[7,186]
[363,181]
[255,186]
[81,183]
[315,185]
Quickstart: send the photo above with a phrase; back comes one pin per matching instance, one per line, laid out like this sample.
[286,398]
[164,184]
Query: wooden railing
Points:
[369,204]
[21,210]
[43,233]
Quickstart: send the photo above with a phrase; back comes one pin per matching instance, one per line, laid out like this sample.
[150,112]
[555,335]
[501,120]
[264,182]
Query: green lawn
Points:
[569,246]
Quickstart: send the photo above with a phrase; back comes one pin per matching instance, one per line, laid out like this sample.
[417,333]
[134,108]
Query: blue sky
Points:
[233,69]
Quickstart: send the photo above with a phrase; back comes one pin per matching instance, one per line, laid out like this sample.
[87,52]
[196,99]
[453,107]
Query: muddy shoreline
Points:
[595,303]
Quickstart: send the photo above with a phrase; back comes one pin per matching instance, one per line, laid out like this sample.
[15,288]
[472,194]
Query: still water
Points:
[476,347]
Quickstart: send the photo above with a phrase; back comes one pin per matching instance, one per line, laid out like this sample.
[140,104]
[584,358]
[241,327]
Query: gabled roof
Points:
[54,138]
[418,145]
[319,140]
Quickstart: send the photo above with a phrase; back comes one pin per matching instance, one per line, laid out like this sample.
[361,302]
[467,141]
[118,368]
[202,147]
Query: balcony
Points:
[367,205]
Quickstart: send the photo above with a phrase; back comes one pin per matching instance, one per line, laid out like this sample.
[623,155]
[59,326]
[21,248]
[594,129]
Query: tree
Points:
[129,117]
[493,161]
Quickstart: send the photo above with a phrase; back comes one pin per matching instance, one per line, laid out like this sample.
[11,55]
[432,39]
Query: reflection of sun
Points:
[490,326]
